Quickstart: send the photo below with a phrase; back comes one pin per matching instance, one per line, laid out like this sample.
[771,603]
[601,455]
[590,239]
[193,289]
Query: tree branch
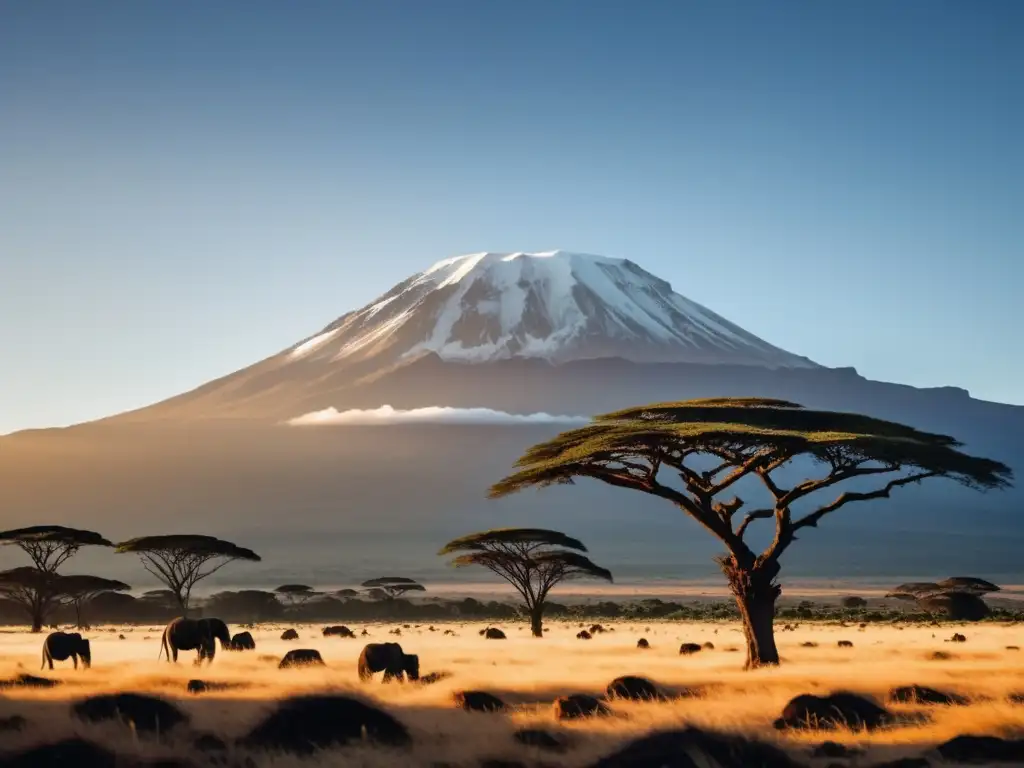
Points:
[811,520]
[757,514]
[810,486]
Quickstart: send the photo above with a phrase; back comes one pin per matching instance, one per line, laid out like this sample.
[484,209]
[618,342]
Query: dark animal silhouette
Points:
[194,635]
[982,749]
[478,701]
[301,657]
[243,641]
[59,646]
[304,724]
[289,634]
[538,737]
[687,648]
[338,631]
[390,659]
[835,710]
[596,629]
[144,713]
[584,635]
[492,633]
[845,644]
[642,643]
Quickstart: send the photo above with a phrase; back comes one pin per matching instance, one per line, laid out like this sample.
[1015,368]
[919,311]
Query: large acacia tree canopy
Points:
[188,544]
[529,536]
[55,534]
[395,582]
[749,434]
[83,585]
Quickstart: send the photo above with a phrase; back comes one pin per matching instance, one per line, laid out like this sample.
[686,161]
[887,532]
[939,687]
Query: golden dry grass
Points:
[530,673]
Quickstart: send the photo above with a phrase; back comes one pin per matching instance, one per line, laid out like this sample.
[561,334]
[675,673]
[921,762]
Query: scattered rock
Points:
[584,635]
[836,710]
[478,701]
[678,749]
[940,656]
[207,686]
[833,749]
[1013,647]
[577,705]
[688,648]
[29,681]
[537,737]
[982,749]
[305,723]
[301,657]
[493,633]
[708,646]
[642,643]
[289,634]
[12,724]
[147,714]
[340,630]
[596,629]
[633,688]
[845,644]
[919,694]
[808,644]
[243,641]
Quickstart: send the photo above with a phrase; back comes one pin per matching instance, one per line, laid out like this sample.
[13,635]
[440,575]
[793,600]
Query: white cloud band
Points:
[430,415]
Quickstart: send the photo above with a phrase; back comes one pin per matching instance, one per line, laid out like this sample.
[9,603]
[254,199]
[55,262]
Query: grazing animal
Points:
[584,635]
[492,633]
[58,646]
[194,635]
[301,657]
[845,644]
[390,659]
[596,629]
[243,641]
[958,638]
[289,634]
[687,648]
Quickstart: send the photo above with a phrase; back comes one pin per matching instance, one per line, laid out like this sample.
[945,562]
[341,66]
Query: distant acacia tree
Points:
[37,593]
[690,453]
[296,594]
[48,547]
[532,560]
[346,593]
[77,590]
[394,586]
[180,561]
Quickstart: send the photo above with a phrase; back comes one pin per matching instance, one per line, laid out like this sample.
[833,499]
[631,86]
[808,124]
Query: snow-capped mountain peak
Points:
[554,305]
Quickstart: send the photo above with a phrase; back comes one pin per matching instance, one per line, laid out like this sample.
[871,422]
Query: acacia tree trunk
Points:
[537,620]
[756,591]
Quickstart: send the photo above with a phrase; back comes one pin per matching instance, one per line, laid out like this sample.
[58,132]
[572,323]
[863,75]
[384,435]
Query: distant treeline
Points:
[257,606]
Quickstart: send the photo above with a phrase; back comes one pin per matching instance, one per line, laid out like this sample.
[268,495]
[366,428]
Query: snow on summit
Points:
[555,305]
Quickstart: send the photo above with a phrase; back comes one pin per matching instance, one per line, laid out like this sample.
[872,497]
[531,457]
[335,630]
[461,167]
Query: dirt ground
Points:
[529,674]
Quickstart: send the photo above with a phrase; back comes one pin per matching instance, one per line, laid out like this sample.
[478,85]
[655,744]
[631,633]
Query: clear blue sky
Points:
[187,187]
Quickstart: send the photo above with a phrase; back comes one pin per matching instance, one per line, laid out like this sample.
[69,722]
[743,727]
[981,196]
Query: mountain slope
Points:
[554,308]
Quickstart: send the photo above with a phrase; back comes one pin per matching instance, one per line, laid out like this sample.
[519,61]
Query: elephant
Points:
[59,646]
[389,658]
[194,635]
[339,631]
[242,642]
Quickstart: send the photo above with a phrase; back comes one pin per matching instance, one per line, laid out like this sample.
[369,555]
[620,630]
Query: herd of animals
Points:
[202,636]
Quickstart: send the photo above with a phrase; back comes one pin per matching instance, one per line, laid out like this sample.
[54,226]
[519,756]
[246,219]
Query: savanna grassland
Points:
[707,689]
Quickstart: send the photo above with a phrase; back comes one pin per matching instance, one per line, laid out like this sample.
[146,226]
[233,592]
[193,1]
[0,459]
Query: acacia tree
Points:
[296,594]
[180,561]
[393,586]
[707,446]
[76,590]
[533,560]
[34,591]
[48,547]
